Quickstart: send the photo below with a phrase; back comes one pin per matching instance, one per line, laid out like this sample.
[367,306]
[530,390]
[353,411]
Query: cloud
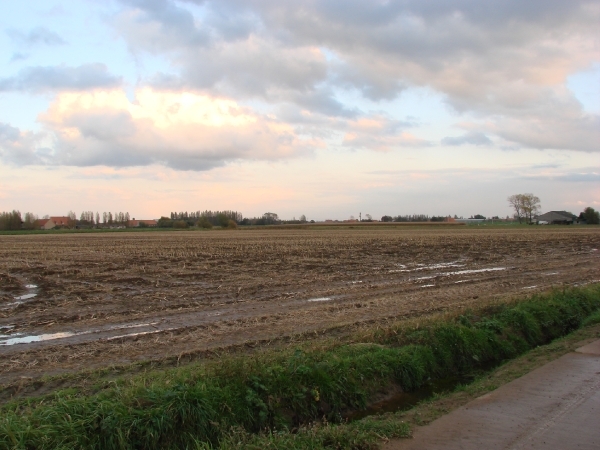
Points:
[473,138]
[157,26]
[592,176]
[185,131]
[381,134]
[42,79]
[18,56]
[21,147]
[38,35]
[505,62]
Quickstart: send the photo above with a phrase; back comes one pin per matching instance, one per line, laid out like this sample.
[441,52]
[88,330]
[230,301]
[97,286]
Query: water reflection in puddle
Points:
[319,299]
[25,297]
[141,333]
[135,325]
[19,339]
[462,272]
[35,338]
[427,267]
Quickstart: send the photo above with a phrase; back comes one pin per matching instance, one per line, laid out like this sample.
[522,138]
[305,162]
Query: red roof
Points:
[58,220]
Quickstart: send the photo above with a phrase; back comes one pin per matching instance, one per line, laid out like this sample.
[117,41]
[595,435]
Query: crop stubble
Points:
[139,296]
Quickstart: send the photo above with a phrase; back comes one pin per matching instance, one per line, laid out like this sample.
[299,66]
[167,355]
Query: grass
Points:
[272,400]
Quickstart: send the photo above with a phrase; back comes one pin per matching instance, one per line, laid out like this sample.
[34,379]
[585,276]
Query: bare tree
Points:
[516,202]
[531,206]
[526,206]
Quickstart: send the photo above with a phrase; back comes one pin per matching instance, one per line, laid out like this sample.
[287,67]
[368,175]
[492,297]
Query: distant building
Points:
[41,223]
[56,222]
[141,223]
[557,218]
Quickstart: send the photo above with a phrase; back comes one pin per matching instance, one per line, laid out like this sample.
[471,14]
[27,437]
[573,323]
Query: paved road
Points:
[556,407]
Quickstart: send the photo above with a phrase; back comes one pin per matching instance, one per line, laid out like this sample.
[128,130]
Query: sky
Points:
[325,109]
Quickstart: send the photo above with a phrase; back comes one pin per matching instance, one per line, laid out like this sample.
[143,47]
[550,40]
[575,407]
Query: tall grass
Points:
[241,397]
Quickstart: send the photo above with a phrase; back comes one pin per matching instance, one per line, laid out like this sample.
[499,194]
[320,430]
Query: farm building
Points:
[141,223]
[557,218]
[54,222]
[41,223]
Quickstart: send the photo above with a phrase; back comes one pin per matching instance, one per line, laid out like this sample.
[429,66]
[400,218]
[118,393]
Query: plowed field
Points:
[80,301]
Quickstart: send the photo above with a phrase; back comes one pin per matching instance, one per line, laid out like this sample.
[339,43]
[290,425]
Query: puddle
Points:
[443,265]
[461,281]
[30,286]
[585,283]
[319,299]
[122,327]
[19,339]
[36,338]
[550,273]
[462,272]
[25,297]
[428,285]
[426,267]
[141,333]
[530,287]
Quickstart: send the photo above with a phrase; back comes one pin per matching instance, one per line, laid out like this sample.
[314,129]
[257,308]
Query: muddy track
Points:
[73,302]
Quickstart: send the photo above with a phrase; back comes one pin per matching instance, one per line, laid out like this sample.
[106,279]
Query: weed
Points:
[255,401]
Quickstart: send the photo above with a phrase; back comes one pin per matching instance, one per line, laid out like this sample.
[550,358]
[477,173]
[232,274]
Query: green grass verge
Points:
[253,401]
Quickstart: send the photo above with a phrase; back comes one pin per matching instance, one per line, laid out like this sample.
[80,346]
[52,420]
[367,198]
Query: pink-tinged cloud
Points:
[186,131]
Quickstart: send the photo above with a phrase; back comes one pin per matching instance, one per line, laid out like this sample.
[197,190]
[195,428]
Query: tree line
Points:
[526,207]
[13,220]
[414,218]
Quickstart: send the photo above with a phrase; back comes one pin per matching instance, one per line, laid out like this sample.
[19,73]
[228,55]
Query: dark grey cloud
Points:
[177,27]
[53,78]
[472,138]
[323,102]
[493,59]
[38,35]
[22,147]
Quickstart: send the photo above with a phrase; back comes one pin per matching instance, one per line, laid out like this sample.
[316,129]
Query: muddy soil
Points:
[73,302]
